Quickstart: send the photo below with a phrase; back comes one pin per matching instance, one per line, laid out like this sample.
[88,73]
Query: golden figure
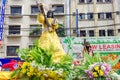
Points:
[49,36]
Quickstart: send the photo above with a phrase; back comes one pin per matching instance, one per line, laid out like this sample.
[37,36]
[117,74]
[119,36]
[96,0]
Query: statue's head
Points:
[50,14]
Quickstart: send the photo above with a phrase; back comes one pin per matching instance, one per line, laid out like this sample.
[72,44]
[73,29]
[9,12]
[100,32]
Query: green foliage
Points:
[66,64]
[36,31]
[68,41]
[118,71]
[61,30]
[43,57]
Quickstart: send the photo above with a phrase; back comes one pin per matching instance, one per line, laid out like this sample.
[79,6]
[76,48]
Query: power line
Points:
[73,14]
[29,29]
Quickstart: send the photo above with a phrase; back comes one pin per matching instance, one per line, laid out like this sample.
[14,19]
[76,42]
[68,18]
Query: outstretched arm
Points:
[41,9]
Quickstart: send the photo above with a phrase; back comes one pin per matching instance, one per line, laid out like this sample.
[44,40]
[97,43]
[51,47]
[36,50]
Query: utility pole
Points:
[77,23]
[68,18]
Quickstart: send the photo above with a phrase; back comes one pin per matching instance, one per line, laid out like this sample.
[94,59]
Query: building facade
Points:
[21,27]
[96,18]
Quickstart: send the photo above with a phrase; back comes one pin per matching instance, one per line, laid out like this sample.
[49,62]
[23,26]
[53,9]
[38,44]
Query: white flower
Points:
[45,75]
[103,68]
[41,67]
[59,71]
[33,64]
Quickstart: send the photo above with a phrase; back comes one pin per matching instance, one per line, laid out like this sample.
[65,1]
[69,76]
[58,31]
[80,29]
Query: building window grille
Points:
[81,1]
[14,29]
[118,30]
[100,15]
[82,16]
[101,32]
[74,31]
[35,30]
[110,32]
[89,1]
[90,16]
[16,10]
[11,50]
[108,1]
[82,33]
[91,33]
[108,15]
[99,1]
[34,9]
[59,8]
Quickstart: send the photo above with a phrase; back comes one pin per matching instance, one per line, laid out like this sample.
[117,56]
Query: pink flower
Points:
[106,68]
[76,62]
[89,74]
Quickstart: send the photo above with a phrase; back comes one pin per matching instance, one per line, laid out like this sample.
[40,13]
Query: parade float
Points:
[47,60]
[38,64]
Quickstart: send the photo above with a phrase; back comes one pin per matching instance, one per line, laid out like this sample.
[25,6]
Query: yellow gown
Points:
[48,39]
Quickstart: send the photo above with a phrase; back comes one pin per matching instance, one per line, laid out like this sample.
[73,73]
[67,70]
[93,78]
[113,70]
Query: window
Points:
[101,32]
[90,16]
[16,10]
[91,33]
[118,30]
[74,31]
[59,8]
[100,15]
[35,30]
[99,1]
[108,1]
[81,1]
[110,32]
[14,29]
[34,9]
[30,46]
[82,33]
[108,15]
[82,16]
[89,1]
[11,50]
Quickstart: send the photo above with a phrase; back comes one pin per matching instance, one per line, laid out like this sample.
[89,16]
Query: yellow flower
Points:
[25,64]
[31,69]
[42,78]
[38,74]
[29,74]
[96,68]
[51,74]
[64,74]
[23,71]
[95,74]
[100,72]
[30,56]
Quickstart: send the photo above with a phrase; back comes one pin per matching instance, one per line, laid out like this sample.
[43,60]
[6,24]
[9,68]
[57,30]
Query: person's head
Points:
[87,44]
[50,14]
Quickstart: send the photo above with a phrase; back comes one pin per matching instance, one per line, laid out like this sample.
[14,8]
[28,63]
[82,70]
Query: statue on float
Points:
[49,37]
[87,48]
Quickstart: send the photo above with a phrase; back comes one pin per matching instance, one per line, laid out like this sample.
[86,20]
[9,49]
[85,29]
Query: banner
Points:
[98,44]
[2,19]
